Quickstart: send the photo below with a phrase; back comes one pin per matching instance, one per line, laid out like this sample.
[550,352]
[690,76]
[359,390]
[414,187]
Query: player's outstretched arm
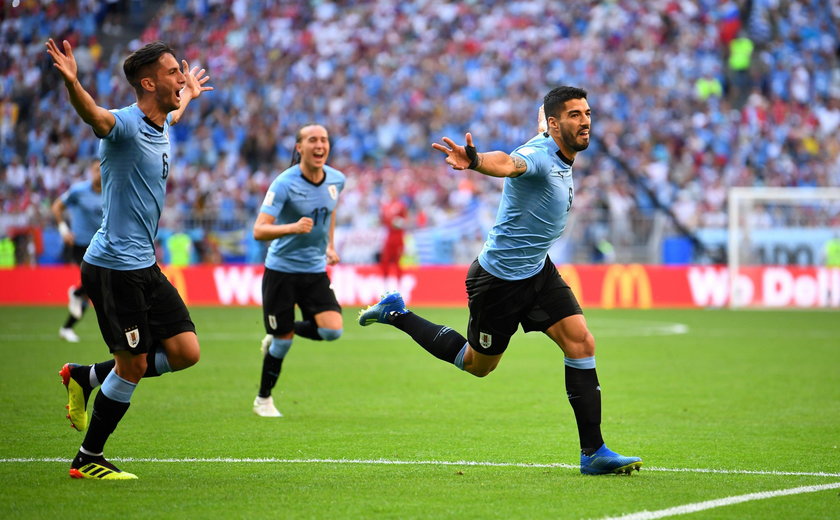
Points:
[194,88]
[494,164]
[101,120]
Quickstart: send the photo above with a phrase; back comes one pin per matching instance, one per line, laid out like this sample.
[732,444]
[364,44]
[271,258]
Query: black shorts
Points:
[135,308]
[498,306]
[77,253]
[282,291]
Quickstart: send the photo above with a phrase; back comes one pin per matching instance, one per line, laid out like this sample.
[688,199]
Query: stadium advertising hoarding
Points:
[596,286]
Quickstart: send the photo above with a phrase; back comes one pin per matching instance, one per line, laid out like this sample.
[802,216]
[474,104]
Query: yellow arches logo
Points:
[176,277]
[622,283]
[571,277]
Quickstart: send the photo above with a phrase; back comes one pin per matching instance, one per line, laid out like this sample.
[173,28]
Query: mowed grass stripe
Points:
[387,462]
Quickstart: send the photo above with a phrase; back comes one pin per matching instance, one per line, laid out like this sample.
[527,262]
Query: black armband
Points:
[472,155]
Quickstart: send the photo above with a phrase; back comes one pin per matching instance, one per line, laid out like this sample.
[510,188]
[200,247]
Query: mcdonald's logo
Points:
[623,282]
[176,277]
[570,276]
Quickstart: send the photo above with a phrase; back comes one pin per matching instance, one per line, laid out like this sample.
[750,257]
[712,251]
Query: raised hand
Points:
[456,155]
[195,80]
[542,124]
[65,62]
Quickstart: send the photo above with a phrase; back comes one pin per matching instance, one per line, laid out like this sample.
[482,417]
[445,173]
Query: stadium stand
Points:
[688,97]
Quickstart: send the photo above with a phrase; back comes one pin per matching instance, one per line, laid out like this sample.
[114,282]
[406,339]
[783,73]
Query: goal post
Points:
[775,247]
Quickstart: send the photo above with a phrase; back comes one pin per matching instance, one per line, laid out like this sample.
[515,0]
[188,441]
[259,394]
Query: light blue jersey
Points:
[532,214]
[290,197]
[135,164]
[84,205]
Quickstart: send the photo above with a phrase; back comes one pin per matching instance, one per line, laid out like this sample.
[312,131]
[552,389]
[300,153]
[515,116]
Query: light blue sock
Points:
[162,362]
[329,334]
[582,363]
[279,347]
[117,389]
[459,359]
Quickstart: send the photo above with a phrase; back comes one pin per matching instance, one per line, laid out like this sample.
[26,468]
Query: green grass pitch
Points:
[719,404]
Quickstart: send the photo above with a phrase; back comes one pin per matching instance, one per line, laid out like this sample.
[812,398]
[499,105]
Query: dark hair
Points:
[298,137]
[554,101]
[136,66]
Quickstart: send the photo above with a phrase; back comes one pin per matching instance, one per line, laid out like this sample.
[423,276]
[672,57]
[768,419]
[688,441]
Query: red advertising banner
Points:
[596,286]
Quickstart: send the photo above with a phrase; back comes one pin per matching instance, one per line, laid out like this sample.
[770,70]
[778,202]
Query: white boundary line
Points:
[720,502]
[388,462]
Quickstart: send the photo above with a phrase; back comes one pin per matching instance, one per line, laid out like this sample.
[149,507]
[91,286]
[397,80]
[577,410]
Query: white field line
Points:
[721,502]
[388,462]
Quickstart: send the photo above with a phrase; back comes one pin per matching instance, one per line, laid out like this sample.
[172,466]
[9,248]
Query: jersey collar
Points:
[553,145]
[152,124]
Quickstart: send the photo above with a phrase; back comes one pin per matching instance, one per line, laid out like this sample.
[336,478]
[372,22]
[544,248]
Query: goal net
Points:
[783,246]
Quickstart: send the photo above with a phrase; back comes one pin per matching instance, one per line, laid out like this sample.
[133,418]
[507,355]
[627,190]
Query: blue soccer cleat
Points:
[605,461]
[390,304]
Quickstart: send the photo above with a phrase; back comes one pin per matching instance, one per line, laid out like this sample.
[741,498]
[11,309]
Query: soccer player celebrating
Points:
[298,216]
[83,203]
[143,319]
[513,281]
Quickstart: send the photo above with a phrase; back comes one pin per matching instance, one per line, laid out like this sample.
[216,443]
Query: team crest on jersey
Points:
[272,321]
[333,191]
[485,340]
[132,336]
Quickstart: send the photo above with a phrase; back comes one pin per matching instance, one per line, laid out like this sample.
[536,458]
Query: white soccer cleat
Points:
[68,335]
[264,407]
[265,343]
[74,304]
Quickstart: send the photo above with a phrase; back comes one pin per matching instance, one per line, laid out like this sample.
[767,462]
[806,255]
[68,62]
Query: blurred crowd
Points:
[688,98]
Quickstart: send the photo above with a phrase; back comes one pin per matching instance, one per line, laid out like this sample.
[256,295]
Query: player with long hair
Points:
[298,217]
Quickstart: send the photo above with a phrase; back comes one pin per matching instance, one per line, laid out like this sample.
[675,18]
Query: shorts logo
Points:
[485,340]
[272,321]
[333,191]
[132,336]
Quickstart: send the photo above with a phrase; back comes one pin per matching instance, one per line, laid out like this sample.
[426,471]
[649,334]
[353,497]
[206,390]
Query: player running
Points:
[513,281]
[143,319]
[83,203]
[298,216]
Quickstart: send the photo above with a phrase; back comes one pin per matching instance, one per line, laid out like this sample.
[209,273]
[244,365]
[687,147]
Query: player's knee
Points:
[589,344]
[480,371]
[190,357]
[182,351]
[582,346]
[329,334]
[131,368]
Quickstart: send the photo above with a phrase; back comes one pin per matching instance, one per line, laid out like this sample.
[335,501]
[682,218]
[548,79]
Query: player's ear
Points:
[148,84]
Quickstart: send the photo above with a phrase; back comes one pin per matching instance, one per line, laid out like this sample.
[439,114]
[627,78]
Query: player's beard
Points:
[572,142]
